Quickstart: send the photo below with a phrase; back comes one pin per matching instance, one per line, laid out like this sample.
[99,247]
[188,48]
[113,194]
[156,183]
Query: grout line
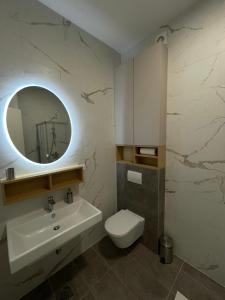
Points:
[202,274]
[122,282]
[92,286]
[175,279]
[101,257]
[199,282]
[89,291]
[111,269]
[51,287]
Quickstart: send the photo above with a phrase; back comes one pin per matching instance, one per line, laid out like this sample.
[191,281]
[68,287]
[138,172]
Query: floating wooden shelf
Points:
[146,156]
[65,178]
[125,153]
[131,155]
[29,186]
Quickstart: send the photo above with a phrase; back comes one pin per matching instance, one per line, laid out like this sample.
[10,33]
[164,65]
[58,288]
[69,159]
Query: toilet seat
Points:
[122,223]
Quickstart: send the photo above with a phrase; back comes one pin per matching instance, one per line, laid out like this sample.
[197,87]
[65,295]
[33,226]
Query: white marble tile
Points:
[195,175]
[38,46]
[179,296]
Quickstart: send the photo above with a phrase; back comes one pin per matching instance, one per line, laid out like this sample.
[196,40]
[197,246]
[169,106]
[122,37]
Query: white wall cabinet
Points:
[150,68]
[141,98]
[124,103]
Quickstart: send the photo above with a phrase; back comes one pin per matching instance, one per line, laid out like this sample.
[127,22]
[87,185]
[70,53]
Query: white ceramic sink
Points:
[34,235]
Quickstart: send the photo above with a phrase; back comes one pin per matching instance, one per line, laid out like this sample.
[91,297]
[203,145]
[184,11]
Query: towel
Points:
[148,151]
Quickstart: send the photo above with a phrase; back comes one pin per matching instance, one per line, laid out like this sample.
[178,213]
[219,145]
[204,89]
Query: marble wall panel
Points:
[195,172]
[40,47]
[146,200]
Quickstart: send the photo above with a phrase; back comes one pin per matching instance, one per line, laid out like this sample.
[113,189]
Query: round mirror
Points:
[38,125]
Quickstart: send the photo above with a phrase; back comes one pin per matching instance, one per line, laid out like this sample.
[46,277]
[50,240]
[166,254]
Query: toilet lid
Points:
[122,222]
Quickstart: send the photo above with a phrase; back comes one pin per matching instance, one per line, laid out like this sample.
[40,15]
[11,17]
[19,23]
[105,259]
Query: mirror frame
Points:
[8,135]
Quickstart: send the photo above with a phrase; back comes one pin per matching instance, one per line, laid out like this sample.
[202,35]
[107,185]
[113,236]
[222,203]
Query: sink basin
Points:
[34,235]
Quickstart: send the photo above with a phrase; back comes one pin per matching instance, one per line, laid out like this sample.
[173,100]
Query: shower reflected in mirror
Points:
[38,125]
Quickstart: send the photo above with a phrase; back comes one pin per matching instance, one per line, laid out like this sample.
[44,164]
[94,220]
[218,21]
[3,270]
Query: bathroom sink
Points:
[34,235]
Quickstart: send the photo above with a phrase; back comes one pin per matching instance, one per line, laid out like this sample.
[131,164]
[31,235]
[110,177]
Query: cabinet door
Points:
[150,96]
[124,104]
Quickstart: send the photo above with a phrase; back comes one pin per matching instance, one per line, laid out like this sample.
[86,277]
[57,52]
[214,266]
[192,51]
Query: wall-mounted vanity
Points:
[39,130]
[32,236]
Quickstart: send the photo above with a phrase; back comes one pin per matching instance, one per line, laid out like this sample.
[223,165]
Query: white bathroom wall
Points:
[39,47]
[195,170]
[195,173]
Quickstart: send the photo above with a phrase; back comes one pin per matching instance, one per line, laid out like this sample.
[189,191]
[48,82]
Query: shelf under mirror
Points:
[29,186]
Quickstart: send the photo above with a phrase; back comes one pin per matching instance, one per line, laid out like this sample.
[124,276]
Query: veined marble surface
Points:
[195,174]
[38,46]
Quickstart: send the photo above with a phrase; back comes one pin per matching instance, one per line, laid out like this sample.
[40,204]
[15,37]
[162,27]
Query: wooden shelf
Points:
[26,195]
[138,165]
[147,156]
[131,155]
[64,184]
[67,177]
[143,160]
[34,185]
[125,152]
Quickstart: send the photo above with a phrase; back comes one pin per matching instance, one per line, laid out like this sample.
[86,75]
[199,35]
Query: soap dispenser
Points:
[69,196]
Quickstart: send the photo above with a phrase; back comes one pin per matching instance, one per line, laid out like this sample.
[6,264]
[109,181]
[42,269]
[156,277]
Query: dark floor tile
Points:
[110,288]
[141,281]
[62,276]
[88,296]
[150,239]
[110,252]
[204,280]
[65,293]
[42,292]
[172,295]
[107,272]
[69,283]
[91,266]
[193,289]
[78,285]
[164,273]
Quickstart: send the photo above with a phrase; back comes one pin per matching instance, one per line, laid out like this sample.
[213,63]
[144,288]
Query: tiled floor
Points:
[107,273]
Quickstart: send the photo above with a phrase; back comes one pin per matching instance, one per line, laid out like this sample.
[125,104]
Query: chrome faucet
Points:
[51,203]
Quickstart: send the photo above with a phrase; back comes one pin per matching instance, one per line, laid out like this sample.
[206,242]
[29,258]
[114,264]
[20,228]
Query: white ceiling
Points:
[121,24]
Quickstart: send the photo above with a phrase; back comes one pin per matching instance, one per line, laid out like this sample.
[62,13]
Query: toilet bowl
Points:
[124,228]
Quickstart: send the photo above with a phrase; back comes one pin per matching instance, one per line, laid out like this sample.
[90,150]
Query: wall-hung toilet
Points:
[124,228]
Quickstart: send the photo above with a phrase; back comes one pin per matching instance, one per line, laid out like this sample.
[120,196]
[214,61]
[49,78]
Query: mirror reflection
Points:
[38,125]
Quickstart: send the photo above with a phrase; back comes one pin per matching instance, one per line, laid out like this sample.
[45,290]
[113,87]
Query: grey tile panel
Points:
[147,200]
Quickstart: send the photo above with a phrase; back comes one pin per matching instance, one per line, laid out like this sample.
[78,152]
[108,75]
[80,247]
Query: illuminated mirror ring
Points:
[38,124]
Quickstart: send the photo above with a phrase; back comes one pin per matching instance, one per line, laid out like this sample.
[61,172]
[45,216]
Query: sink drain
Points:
[56,227]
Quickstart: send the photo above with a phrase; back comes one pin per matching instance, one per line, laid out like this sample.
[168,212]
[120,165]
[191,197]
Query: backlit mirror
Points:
[38,124]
